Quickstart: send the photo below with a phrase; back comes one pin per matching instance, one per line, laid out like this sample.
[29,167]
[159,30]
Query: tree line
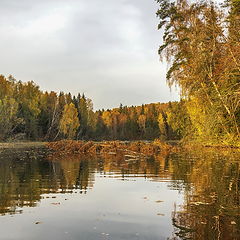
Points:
[201,42]
[26,112]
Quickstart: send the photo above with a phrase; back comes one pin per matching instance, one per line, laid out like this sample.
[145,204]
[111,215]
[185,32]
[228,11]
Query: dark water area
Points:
[189,194]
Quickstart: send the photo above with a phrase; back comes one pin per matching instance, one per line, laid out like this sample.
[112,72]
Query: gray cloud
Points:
[106,49]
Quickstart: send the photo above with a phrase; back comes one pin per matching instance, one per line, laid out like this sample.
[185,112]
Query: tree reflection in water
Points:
[209,181]
[212,200]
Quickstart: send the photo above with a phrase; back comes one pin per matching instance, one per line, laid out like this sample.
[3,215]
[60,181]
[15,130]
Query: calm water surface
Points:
[183,195]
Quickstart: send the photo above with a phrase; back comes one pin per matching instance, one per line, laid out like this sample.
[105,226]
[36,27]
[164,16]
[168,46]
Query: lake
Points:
[185,194]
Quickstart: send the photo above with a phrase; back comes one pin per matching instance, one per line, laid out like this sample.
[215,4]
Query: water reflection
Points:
[212,205]
[209,183]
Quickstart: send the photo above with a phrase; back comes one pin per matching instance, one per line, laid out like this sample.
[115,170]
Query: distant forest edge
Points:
[26,112]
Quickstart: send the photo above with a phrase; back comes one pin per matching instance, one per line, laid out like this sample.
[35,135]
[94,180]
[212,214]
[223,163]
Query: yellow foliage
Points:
[197,116]
[142,122]
[162,124]
[107,118]
[69,122]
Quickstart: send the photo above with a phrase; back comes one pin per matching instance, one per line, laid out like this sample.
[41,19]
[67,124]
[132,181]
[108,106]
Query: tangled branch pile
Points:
[108,147]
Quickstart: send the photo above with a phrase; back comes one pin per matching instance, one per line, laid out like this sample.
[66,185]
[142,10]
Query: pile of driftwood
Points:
[108,147]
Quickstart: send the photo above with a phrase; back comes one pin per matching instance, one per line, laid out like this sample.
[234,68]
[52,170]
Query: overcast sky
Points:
[106,49]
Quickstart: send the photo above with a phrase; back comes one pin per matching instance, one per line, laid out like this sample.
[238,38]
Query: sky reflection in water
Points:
[171,196]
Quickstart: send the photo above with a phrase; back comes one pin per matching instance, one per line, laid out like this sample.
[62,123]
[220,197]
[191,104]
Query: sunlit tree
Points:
[69,122]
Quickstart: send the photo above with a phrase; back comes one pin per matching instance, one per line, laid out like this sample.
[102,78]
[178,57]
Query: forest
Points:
[26,112]
[201,43]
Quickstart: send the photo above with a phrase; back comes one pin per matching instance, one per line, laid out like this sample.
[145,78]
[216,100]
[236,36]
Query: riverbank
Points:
[114,142]
[15,145]
[112,147]
[206,144]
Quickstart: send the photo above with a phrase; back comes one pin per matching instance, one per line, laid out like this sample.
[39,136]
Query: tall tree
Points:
[8,117]
[69,122]
[195,43]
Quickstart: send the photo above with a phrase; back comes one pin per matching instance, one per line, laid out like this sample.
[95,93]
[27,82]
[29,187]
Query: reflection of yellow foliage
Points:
[71,170]
[212,202]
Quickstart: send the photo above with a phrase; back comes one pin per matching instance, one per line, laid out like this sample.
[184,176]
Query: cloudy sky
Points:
[106,49]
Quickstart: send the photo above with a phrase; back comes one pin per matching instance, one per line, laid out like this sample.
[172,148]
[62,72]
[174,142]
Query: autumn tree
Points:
[8,117]
[196,45]
[50,115]
[69,122]
[163,125]
[28,97]
[142,123]
[180,126]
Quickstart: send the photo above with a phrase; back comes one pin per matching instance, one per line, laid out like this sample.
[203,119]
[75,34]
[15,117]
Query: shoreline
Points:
[19,145]
[37,144]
